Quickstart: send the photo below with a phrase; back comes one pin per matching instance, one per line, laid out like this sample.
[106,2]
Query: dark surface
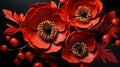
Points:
[21,6]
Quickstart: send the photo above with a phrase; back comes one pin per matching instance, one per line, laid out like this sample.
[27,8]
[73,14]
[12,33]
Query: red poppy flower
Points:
[83,13]
[44,27]
[80,46]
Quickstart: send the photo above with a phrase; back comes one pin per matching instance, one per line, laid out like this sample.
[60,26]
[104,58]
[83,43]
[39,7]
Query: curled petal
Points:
[60,24]
[38,42]
[99,6]
[53,48]
[90,57]
[41,14]
[40,5]
[91,44]
[60,37]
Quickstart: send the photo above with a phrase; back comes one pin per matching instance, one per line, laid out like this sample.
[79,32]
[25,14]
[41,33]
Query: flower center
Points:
[79,49]
[83,14]
[47,30]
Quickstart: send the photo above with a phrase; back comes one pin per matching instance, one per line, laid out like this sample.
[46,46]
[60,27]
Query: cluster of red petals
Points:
[41,12]
[95,7]
[80,36]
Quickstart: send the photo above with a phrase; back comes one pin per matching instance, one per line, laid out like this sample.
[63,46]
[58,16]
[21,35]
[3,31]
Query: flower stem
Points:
[58,5]
[21,48]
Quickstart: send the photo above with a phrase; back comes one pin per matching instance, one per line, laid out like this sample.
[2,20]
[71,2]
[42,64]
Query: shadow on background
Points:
[21,6]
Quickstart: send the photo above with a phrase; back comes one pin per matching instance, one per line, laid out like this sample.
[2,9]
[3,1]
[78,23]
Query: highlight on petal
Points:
[99,6]
[60,24]
[53,48]
[38,42]
[41,14]
[90,57]
[91,44]
[60,37]
[53,4]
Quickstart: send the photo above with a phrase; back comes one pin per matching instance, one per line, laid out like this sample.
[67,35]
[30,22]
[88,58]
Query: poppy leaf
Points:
[13,16]
[106,55]
[11,30]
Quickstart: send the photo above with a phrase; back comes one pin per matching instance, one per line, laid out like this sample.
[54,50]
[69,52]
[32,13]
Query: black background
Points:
[21,6]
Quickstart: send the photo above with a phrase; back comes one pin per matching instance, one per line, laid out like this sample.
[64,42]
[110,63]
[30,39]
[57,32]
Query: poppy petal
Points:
[95,21]
[67,55]
[41,14]
[91,44]
[60,24]
[31,45]
[53,48]
[99,6]
[90,57]
[40,5]
[38,42]
[60,37]
[80,24]
[92,7]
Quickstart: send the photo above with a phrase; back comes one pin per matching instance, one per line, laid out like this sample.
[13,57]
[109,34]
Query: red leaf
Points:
[11,30]
[113,30]
[106,54]
[13,16]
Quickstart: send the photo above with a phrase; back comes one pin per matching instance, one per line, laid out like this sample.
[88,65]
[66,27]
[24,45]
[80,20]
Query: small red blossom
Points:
[84,13]
[79,46]
[44,27]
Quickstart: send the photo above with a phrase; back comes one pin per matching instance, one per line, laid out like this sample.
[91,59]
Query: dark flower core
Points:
[83,13]
[79,49]
[47,30]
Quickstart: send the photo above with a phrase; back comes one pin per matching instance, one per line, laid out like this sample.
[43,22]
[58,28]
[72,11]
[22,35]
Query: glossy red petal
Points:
[27,17]
[60,37]
[80,24]
[91,44]
[68,56]
[38,42]
[99,6]
[60,24]
[90,57]
[40,5]
[73,59]
[41,14]
[80,38]
[94,21]
[92,7]
[53,48]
